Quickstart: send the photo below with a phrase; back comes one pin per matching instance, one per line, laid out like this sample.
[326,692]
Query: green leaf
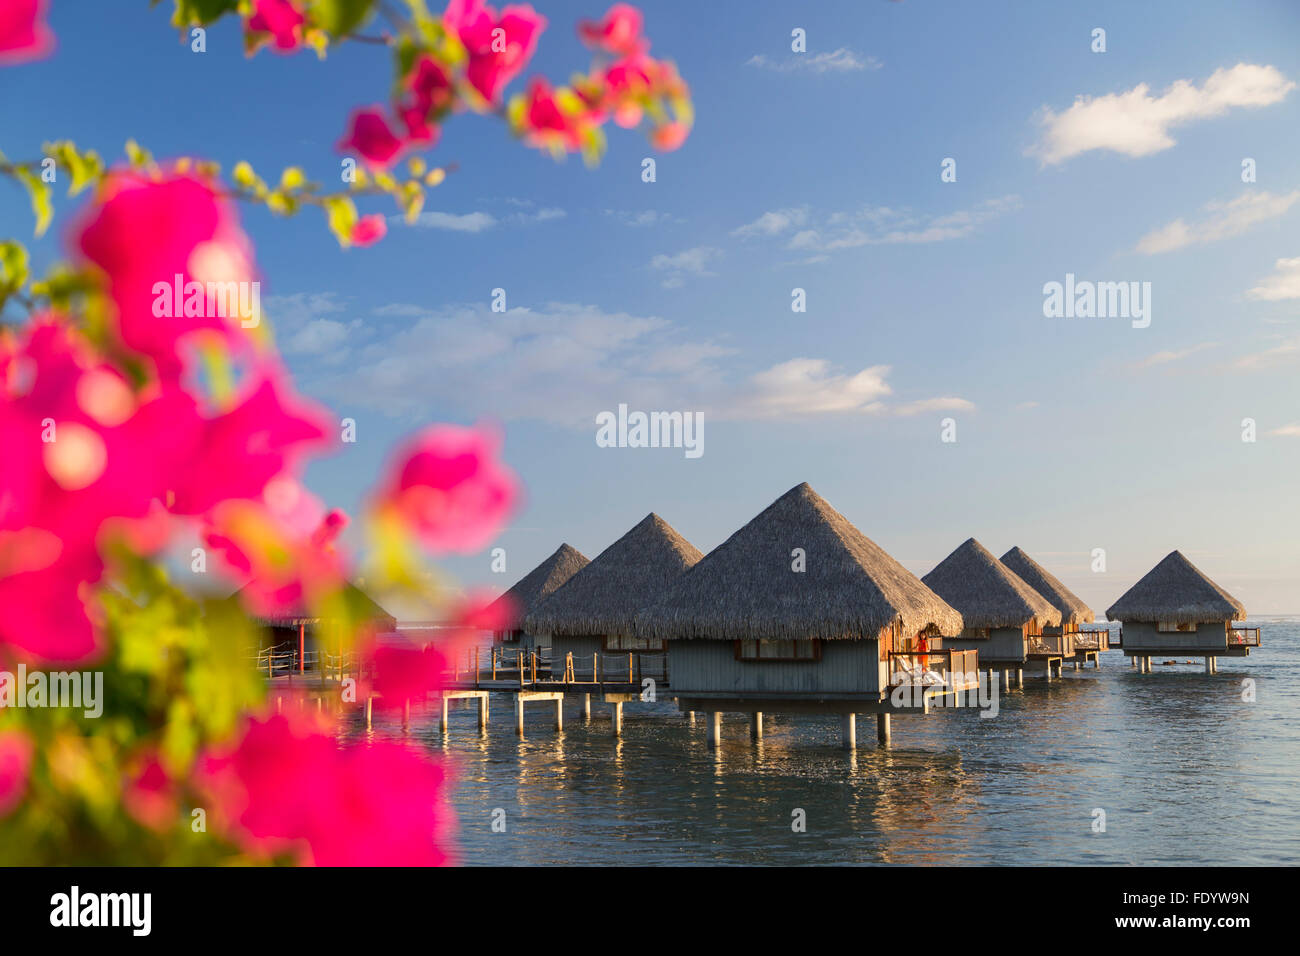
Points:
[342,213]
[338,17]
[201,12]
[13,266]
[41,195]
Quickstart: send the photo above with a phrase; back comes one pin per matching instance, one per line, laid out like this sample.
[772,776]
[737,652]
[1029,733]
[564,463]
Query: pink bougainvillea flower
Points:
[162,244]
[428,97]
[235,454]
[554,119]
[281,550]
[286,787]
[499,46]
[449,488]
[23,33]
[370,137]
[81,450]
[669,136]
[149,794]
[404,673]
[618,33]
[369,230]
[281,20]
[15,764]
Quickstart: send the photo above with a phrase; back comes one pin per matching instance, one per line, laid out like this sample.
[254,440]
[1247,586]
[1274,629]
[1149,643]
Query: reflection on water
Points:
[1185,771]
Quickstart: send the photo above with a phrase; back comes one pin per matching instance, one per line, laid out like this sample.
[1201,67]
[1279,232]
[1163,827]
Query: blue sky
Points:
[819,171]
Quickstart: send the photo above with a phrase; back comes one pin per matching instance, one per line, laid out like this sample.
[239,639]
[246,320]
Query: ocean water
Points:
[1185,770]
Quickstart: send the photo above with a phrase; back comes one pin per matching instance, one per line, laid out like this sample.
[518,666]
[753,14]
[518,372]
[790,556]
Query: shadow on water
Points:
[1184,770]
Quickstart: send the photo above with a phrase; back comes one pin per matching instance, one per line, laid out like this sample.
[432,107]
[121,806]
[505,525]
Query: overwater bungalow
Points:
[1176,609]
[1065,639]
[298,638]
[528,593]
[1001,613]
[588,620]
[800,612]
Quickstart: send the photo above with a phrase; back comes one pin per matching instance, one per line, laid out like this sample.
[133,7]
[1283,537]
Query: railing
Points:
[1094,640]
[949,669]
[273,660]
[1243,637]
[1054,645]
[528,667]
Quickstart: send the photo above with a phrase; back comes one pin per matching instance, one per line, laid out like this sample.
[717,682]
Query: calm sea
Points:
[1185,771]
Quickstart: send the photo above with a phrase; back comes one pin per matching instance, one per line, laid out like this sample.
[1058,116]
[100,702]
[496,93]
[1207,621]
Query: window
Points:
[778,650]
[981,632]
[625,642]
[1169,627]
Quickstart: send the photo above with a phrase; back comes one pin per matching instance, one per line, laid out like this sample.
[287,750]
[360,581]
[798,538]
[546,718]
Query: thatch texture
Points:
[1175,590]
[360,606]
[986,591]
[1073,611]
[604,596]
[746,587]
[538,584]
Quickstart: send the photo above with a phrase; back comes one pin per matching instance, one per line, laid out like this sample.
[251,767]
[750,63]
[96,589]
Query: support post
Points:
[370,707]
[882,728]
[559,713]
[482,712]
[690,716]
[1020,675]
[586,707]
[618,718]
[406,715]
[849,731]
[756,725]
[519,714]
[442,719]
[1006,679]
[715,728]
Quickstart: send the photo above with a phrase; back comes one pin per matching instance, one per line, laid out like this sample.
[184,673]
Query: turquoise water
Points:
[1185,770]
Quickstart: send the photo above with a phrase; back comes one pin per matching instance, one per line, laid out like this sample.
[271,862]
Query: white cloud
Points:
[1225,220]
[1284,283]
[304,326]
[453,222]
[773,223]
[1173,355]
[1286,431]
[879,225]
[642,219]
[842,60]
[687,263]
[1288,350]
[1135,123]
[945,404]
[565,362]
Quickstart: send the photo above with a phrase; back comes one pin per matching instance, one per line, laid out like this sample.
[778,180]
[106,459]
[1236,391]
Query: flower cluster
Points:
[126,426]
[143,408]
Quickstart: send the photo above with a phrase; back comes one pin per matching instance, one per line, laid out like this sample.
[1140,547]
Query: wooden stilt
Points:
[849,731]
[882,728]
[756,725]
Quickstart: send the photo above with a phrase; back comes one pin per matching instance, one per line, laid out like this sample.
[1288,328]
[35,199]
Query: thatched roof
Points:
[746,587]
[1073,610]
[539,583]
[359,604]
[604,596]
[1175,590]
[986,591]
